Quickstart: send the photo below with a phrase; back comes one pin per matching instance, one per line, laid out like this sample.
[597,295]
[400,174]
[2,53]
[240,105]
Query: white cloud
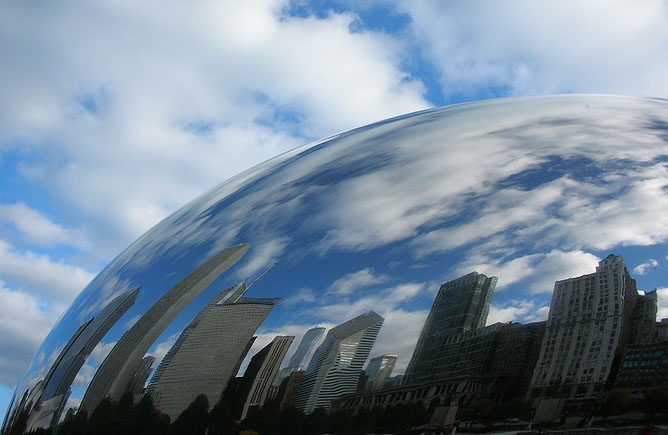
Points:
[382,301]
[118,99]
[21,335]
[517,311]
[539,271]
[302,295]
[261,257]
[40,275]
[356,280]
[489,47]
[642,268]
[38,228]
[399,335]
[662,294]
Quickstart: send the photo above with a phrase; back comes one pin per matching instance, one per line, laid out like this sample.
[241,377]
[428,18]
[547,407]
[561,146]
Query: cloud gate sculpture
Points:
[415,260]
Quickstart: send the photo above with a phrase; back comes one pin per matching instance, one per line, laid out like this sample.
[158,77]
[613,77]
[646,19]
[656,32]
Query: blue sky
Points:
[114,114]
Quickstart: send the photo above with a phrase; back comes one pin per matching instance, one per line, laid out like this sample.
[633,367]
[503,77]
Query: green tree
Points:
[291,421]
[193,420]
[316,422]
[220,419]
[341,422]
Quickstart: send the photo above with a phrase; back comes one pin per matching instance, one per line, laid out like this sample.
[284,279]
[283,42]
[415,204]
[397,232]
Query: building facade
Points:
[204,357]
[379,370]
[587,328]
[515,355]
[114,376]
[644,366]
[59,378]
[643,318]
[461,306]
[304,352]
[337,363]
[260,376]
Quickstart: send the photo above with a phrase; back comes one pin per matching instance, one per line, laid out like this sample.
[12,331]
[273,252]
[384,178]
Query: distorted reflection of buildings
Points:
[114,377]
[594,321]
[337,363]
[256,385]
[304,352]
[209,350]
[588,326]
[379,370]
[62,373]
[461,307]
[573,356]
[457,357]
[495,362]
[644,366]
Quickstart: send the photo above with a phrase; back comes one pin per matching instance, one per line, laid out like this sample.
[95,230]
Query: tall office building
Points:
[643,318]
[303,354]
[114,376]
[461,306]
[586,331]
[337,363]
[140,376]
[260,375]
[515,355]
[378,370]
[60,376]
[208,351]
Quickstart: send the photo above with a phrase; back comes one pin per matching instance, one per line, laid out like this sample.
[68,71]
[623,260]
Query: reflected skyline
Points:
[531,190]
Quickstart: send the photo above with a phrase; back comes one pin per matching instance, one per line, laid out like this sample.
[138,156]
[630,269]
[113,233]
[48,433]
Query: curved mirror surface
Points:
[388,248]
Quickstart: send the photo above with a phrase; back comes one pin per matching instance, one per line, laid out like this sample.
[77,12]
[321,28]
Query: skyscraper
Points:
[643,318]
[587,329]
[260,374]
[59,378]
[304,352]
[337,363]
[461,306]
[379,369]
[208,351]
[114,376]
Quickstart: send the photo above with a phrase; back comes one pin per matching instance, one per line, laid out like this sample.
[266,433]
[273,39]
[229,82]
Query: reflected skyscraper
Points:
[378,370]
[208,351]
[260,375]
[337,363]
[587,328]
[114,377]
[58,380]
[304,352]
[461,306]
[532,186]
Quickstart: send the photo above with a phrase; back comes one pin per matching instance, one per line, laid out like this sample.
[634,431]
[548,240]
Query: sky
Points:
[115,114]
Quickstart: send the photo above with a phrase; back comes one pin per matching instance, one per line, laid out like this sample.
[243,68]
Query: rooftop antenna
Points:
[261,275]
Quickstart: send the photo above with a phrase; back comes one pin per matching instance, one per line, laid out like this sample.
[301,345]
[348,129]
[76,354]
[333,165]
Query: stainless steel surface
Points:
[530,190]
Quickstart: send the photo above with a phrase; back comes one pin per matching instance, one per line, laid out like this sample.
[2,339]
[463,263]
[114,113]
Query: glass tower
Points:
[461,306]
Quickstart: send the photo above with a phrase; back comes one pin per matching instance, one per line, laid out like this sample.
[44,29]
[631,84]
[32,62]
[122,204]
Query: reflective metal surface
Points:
[530,190]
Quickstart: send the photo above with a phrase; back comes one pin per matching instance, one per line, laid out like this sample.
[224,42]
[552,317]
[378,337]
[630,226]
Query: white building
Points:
[587,328]
[304,352]
[336,365]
